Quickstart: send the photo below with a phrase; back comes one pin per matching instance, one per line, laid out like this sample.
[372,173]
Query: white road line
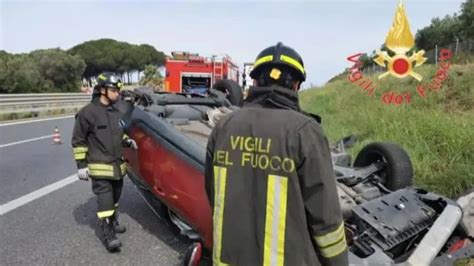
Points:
[36,120]
[24,141]
[148,203]
[10,206]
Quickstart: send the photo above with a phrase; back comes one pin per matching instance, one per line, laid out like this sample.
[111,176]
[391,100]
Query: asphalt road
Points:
[62,227]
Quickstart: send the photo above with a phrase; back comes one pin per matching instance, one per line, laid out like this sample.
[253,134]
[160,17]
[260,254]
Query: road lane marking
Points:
[36,120]
[10,206]
[148,203]
[25,141]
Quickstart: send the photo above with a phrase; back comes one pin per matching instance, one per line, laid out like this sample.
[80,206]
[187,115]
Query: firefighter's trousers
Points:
[108,194]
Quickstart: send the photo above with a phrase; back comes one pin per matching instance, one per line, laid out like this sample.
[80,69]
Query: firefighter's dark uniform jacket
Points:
[98,139]
[271,184]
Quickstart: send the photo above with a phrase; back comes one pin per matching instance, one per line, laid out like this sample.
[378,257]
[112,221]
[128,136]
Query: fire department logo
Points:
[400,41]
[399,61]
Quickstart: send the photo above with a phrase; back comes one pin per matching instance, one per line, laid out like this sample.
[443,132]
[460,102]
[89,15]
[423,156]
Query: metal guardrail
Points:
[22,95]
[40,102]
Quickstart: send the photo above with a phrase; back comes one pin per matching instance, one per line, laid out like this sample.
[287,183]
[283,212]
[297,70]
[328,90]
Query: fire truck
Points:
[191,73]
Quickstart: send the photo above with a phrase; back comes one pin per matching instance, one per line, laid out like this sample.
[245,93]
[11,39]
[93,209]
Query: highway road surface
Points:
[47,216]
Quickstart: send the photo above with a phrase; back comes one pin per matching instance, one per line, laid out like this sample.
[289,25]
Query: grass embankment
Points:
[437,131]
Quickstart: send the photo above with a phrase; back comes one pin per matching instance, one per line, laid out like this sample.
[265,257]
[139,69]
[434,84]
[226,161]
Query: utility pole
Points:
[457,45]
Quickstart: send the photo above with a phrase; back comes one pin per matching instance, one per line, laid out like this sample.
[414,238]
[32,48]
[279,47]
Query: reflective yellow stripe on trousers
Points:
[105,214]
[220,179]
[275,220]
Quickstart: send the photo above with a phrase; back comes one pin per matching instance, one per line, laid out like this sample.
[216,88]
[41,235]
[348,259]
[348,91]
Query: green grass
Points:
[464,262]
[436,131]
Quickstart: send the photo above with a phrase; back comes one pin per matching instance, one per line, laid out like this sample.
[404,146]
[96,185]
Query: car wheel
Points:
[397,172]
[232,89]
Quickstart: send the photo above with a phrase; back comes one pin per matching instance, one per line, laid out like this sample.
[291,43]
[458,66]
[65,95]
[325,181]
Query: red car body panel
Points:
[179,185]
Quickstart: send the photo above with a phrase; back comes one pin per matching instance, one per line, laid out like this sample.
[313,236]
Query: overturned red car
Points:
[386,220]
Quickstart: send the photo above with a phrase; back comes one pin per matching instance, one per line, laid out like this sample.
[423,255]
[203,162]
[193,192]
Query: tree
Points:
[152,78]
[439,32]
[150,56]
[55,70]
[24,75]
[443,32]
[118,57]
[51,70]
[60,71]
[5,80]
[467,19]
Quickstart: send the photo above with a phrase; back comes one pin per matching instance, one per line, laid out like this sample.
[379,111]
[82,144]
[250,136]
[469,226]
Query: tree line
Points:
[57,70]
[443,32]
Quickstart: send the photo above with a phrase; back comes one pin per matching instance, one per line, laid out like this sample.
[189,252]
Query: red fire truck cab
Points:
[189,72]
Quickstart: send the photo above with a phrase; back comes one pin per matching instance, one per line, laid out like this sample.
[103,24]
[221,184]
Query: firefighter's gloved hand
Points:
[132,144]
[216,114]
[83,174]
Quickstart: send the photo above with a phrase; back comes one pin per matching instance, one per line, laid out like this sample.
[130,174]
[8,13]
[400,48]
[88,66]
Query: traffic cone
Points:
[57,136]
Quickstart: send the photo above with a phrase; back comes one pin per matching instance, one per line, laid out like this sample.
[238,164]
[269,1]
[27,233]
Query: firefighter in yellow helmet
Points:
[269,176]
[97,144]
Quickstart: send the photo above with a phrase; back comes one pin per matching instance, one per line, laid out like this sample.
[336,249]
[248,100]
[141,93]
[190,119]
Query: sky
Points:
[325,33]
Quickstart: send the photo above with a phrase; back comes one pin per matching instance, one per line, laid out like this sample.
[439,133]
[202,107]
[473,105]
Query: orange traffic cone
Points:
[57,136]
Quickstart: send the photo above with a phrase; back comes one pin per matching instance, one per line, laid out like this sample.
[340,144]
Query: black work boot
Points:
[111,241]
[119,229]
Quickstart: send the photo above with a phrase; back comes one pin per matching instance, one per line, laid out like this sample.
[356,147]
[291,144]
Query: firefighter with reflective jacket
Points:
[269,176]
[97,143]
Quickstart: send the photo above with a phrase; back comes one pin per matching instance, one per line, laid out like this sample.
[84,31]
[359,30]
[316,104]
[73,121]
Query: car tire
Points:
[398,170]
[231,89]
